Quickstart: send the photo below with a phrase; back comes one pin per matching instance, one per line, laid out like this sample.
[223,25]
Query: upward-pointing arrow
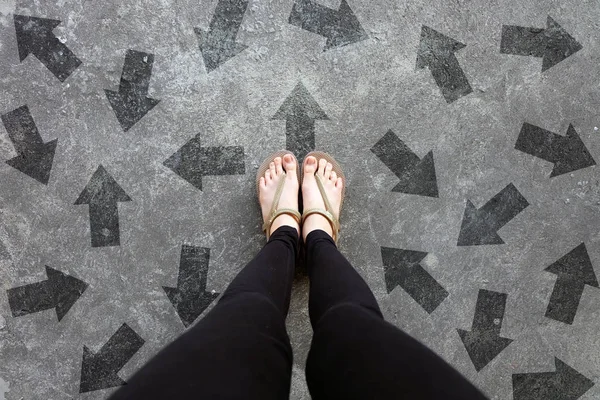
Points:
[574,270]
[102,194]
[300,111]
[218,44]
[436,51]
[131,102]
[553,44]
[34,35]
[34,156]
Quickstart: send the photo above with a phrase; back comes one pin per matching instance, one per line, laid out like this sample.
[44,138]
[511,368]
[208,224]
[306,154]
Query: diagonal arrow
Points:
[563,384]
[340,27]
[131,102]
[190,297]
[60,291]
[574,270]
[99,370]
[553,44]
[34,36]
[417,176]
[567,153]
[218,45]
[483,342]
[480,226]
[402,268]
[192,161]
[34,156]
[436,51]
[300,111]
[102,194]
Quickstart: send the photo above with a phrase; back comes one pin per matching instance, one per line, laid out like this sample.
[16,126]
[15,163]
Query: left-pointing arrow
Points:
[60,291]
[34,156]
[34,35]
[102,194]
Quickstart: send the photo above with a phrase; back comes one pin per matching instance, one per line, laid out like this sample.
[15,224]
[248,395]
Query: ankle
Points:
[316,222]
[284,220]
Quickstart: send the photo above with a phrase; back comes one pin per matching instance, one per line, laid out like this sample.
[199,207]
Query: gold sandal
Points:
[328,212]
[274,213]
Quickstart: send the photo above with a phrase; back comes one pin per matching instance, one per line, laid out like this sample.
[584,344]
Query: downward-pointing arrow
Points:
[218,44]
[34,156]
[484,343]
[574,270]
[99,371]
[480,226]
[300,111]
[34,35]
[553,44]
[192,161]
[402,269]
[190,297]
[436,51]
[102,194]
[564,384]
[131,102]
[567,153]
[417,176]
[60,292]
[340,27]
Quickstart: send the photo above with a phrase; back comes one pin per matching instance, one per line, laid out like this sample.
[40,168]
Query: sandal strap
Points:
[321,186]
[283,211]
[335,224]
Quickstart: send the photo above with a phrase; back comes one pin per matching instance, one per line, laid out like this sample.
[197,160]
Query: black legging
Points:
[241,349]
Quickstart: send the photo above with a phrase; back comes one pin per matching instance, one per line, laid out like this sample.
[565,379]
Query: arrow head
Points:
[575,265]
[348,29]
[36,162]
[102,188]
[420,180]
[482,347]
[67,290]
[32,33]
[474,229]
[434,47]
[97,373]
[129,107]
[559,44]
[216,52]
[300,104]
[573,154]
[189,307]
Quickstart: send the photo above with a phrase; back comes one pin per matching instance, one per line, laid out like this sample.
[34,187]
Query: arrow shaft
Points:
[314,17]
[227,20]
[565,298]
[120,348]
[395,154]
[489,312]
[136,75]
[300,135]
[31,298]
[450,77]
[540,143]
[22,130]
[221,160]
[503,207]
[104,224]
[193,270]
[523,41]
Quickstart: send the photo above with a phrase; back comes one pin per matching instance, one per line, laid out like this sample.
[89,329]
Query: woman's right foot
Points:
[312,198]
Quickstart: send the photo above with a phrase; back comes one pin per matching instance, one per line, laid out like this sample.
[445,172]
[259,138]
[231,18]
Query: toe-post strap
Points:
[274,213]
[327,212]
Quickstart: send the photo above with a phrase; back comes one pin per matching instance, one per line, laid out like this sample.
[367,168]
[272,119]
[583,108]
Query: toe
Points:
[272,170]
[289,163]
[268,176]
[322,166]
[328,169]
[278,166]
[340,183]
[310,165]
[262,182]
[333,177]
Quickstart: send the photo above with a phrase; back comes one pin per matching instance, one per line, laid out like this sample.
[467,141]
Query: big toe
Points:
[289,163]
[310,166]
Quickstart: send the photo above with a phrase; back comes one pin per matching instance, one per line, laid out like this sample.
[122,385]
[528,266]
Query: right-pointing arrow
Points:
[574,270]
[564,384]
[402,269]
[483,342]
[417,176]
[568,153]
[480,226]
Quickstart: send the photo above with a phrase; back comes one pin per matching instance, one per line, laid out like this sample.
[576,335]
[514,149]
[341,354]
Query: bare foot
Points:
[289,196]
[312,196]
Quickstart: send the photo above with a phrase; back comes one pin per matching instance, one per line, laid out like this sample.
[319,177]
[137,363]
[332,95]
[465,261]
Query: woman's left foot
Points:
[289,196]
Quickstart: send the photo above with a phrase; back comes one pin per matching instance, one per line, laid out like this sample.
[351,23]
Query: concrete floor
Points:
[473,202]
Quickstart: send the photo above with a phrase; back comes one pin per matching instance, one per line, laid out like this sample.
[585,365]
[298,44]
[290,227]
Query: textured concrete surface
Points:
[394,75]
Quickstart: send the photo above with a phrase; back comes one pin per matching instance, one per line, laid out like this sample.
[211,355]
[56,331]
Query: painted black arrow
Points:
[483,342]
[300,111]
[480,226]
[402,268]
[34,156]
[563,384]
[60,291]
[417,176]
[553,44]
[34,36]
[192,161]
[99,370]
[567,153]
[190,297]
[131,102]
[218,45]
[340,27]
[102,194]
[436,51]
[574,270]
